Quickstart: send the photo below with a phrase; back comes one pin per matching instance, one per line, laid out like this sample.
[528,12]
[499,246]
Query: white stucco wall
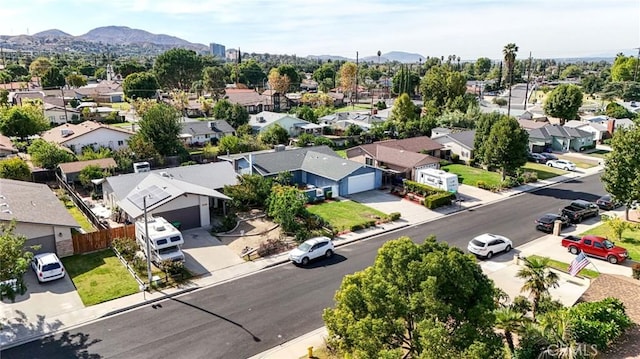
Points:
[101,137]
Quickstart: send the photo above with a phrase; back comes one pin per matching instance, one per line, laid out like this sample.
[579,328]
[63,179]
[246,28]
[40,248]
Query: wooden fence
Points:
[94,241]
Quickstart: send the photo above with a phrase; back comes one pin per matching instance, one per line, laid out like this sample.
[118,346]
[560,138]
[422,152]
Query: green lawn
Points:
[471,175]
[79,216]
[598,153]
[564,267]
[99,277]
[580,164]
[124,106]
[544,172]
[342,153]
[630,239]
[126,125]
[343,215]
[358,107]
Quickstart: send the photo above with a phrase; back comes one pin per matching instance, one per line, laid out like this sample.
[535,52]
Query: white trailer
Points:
[438,178]
[165,240]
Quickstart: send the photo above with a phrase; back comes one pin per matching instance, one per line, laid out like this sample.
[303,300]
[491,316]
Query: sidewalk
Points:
[26,328]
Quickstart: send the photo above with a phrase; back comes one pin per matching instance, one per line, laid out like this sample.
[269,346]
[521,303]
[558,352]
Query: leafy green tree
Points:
[100,73]
[177,68]
[405,81]
[53,78]
[285,205]
[507,146]
[571,71]
[426,301]
[124,159]
[324,72]
[214,81]
[250,74]
[631,91]
[22,121]
[129,67]
[353,130]
[509,52]
[599,323]
[15,257]
[235,114]
[306,113]
[48,155]
[4,98]
[160,126]
[243,130]
[617,226]
[292,74]
[623,68]
[510,321]
[89,173]
[305,139]
[251,191]
[140,85]
[76,80]
[404,110]
[592,84]
[483,129]
[230,144]
[274,135]
[88,153]
[621,177]
[616,110]
[482,67]
[15,168]
[564,102]
[538,279]
[40,66]
[16,71]
[441,87]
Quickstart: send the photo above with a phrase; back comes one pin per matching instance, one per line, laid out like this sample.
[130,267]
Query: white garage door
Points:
[361,183]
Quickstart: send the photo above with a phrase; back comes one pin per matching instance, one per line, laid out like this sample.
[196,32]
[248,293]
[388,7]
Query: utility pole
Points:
[635,73]
[64,105]
[354,104]
[526,92]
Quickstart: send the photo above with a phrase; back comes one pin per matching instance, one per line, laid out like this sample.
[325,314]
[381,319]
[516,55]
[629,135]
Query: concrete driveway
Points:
[33,312]
[204,253]
[385,202]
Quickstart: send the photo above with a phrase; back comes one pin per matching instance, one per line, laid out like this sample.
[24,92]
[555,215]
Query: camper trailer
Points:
[438,178]
[165,240]
[140,167]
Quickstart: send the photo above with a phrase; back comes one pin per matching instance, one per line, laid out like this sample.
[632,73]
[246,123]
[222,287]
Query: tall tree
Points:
[160,126]
[482,67]
[76,80]
[443,89]
[22,121]
[213,80]
[414,296]
[15,257]
[347,74]
[235,114]
[177,68]
[510,321]
[624,68]
[404,110]
[129,67]
[538,279]
[40,66]
[278,82]
[484,123]
[509,53]
[140,85]
[274,135]
[564,102]
[507,146]
[285,205]
[53,78]
[15,168]
[48,155]
[621,177]
[326,71]
[293,75]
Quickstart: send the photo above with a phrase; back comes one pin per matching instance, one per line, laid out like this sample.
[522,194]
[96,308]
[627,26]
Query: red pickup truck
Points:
[596,246]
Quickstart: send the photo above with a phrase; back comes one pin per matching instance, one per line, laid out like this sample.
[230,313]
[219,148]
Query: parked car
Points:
[580,209]
[486,245]
[314,248]
[562,164]
[596,246]
[547,221]
[47,267]
[537,158]
[548,156]
[607,203]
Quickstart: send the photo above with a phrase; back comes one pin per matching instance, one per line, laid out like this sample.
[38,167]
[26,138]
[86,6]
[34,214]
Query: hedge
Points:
[439,200]
[421,189]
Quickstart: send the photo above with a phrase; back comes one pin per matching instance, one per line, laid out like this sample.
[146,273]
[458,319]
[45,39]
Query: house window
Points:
[120,143]
[52,118]
[63,118]
[368,161]
[206,136]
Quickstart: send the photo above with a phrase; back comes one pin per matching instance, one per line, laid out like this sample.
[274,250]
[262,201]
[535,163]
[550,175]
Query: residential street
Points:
[243,317]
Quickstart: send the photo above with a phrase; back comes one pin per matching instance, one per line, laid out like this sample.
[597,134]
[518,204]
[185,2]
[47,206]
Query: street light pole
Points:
[146,238]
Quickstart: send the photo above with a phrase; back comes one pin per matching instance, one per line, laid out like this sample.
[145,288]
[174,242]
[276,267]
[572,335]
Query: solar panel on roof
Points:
[153,193]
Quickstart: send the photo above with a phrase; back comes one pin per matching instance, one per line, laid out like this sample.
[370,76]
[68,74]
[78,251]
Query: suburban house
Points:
[69,171]
[342,120]
[338,98]
[398,158]
[559,138]
[59,114]
[103,91]
[88,133]
[187,194]
[22,97]
[531,124]
[95,112]
[199,133]
[249,99]
[6,147]
[38,215]
[459,143]
[294,126]
[599,130]
[314,167]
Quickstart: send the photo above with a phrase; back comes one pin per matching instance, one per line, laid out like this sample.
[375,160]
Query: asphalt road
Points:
[244,317]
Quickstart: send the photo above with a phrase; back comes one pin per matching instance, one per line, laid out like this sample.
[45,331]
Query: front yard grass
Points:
[579,164]
[357,107]
[598,153]
[99,276]
[544,172]
[343,215]
[630,239]
[471,175]
[564,267]
[342,153]
[77,214]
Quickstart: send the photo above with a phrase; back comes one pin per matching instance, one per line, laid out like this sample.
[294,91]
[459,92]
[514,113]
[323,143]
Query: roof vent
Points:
[7,211]
[4,204]
[159,228]
[261,119]
[165,174]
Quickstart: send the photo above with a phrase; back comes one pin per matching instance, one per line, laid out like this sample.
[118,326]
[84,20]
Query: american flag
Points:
[578,264]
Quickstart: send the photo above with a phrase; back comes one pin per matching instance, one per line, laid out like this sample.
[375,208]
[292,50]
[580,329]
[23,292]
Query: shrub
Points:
[127,247]
[171,267]
[439,200]
[302,235]
[529,177]
[636,270]
[510,182]
[599,323]
[442,164]
[271,246]
[394,216]
[482,185]
[228,223]
[420,189]
[455,158]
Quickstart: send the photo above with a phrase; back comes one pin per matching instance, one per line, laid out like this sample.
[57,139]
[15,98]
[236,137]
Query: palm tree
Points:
[510,321]
[509,52]
[556,327]
[538,280]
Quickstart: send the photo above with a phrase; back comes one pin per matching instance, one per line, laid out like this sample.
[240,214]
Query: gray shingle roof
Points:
[328,166]
[289,160]
[32,203]
[206,127]
[464,138]
[550,131]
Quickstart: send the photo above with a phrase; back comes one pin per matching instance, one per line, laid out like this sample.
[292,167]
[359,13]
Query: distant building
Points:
[218,50]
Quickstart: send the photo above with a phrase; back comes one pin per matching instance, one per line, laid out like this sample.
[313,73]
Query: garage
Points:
[47,244]
[361,183]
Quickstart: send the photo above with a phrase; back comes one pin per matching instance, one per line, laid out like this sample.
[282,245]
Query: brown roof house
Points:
[38,215]
[69,171]
[398,158]
[249,99]
[6,147]
[88,133]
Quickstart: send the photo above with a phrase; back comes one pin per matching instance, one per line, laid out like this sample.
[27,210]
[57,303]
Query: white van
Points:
[165,240]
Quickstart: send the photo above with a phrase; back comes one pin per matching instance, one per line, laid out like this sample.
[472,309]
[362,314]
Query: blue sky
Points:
[467,28]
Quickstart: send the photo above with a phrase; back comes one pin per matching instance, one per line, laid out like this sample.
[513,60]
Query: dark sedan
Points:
[607,203]
[548,156]
[545,223]
[537,158]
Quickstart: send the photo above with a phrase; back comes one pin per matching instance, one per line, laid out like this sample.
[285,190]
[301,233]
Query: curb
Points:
[141,304]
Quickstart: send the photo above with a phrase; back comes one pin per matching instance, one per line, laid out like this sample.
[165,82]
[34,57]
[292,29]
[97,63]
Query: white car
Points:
[562,164]
[486,245]
[311,249]
[47,267]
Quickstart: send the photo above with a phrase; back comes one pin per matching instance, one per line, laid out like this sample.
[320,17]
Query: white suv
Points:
[486,245]
[47,267]
[562,164]
[311,249]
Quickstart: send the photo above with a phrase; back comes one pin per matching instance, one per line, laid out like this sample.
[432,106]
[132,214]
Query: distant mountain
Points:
[52,33]
[126,35]
[399,56]
[329,57]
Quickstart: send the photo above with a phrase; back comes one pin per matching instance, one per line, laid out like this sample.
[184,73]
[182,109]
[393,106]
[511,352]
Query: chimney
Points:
[611,126]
